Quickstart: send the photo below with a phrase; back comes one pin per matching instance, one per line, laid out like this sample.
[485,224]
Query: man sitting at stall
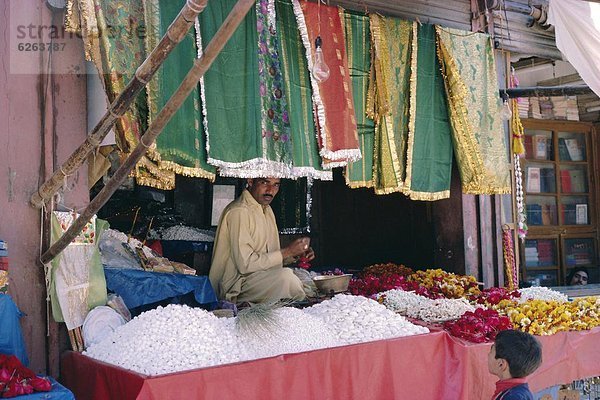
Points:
[247,262]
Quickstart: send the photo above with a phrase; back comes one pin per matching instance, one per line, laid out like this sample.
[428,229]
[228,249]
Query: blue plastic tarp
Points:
[11,337]
[58,392]
[138,288]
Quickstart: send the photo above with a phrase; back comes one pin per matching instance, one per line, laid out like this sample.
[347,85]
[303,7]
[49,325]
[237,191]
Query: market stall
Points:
[430,366]
[384,356]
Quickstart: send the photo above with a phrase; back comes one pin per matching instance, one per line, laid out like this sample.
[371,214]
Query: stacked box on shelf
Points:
[546,108]
[534,108]
[523,106]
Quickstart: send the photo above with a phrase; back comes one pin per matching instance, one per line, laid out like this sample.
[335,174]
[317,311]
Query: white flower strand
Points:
[521,215]
[541,293]
[182,232]
[416,306]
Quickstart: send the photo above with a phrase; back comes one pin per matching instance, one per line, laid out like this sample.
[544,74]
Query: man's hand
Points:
[297,248]
[309,255]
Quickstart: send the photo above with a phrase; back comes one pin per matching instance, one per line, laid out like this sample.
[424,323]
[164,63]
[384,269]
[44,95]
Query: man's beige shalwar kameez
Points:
[247,264]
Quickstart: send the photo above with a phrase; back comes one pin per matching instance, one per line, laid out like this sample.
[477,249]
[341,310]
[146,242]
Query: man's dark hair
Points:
[574,271]
[522,352]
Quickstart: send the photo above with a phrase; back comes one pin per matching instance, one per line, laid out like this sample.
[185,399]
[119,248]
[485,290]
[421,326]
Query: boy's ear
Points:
[502,363]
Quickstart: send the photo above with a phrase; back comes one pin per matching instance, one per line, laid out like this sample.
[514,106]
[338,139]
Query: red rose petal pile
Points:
[479,326]
[494,295]
[16,380]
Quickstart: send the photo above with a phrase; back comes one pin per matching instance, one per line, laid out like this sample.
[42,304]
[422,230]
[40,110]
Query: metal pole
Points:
[190,81]
[175,34]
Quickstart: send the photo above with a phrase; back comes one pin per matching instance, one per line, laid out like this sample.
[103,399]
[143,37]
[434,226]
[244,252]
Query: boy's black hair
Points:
[522,352]
[573,272]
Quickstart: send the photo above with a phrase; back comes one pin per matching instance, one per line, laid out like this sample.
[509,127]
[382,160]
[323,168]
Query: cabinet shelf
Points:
[559,185]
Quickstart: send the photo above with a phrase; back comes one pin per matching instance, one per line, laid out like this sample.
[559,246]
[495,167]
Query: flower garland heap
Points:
[478,326]
[446,284]
[16,380]
[415,306]
[494,295]
[369,285]
[388,269]
[542,317]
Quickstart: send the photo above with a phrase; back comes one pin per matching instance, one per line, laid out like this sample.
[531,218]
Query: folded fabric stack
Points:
[523,106]
[572,108]
[534,108]
[546,108]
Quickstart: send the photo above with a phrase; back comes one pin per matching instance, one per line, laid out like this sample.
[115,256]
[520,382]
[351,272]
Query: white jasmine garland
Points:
[541,293]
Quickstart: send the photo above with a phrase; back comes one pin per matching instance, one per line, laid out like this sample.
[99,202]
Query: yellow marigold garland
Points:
[540,317]
[452,286]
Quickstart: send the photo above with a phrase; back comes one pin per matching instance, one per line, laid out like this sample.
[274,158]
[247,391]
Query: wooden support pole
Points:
[546,91]
[175,34]
[190,81]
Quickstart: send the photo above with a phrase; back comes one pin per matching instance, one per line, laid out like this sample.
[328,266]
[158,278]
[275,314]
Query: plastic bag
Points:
[116,302]
[11,337]
[113,253]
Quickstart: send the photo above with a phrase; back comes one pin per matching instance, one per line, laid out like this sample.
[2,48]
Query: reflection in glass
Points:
[540,253]
[571,146]
[579,252]
[574,210]
[541,210]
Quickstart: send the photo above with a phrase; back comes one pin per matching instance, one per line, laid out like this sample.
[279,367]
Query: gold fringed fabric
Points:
[517,130]
[358,48]
[110,33]
[480,146]
[388,100]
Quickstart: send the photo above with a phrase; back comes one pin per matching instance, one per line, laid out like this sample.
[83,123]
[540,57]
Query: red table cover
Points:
[432,366]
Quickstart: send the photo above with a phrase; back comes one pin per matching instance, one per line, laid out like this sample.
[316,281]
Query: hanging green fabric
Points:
[181,145]
[388,100]
[305,151]
[247,129]
[230,90]
[113,39]
[478,135]
[358,49]
[429,151]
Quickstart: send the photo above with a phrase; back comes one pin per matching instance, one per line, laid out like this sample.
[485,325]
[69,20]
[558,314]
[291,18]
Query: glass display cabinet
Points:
[560,202]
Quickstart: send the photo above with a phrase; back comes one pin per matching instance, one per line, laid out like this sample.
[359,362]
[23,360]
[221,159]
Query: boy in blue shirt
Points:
[512,357]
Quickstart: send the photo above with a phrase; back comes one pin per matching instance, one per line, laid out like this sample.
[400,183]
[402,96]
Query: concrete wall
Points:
[42,120]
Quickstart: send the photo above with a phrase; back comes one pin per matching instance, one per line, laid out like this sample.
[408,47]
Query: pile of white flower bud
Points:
[294,332]
[405,303]
[541,293]
[170,339]
[440,310]
[357,319]
[413,305]
[182,232]
[178,338]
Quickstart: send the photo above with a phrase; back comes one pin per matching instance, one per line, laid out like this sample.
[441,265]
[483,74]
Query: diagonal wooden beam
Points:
[190,81]
[175,34]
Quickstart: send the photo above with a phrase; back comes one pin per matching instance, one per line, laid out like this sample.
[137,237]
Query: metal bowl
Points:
[328,284]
